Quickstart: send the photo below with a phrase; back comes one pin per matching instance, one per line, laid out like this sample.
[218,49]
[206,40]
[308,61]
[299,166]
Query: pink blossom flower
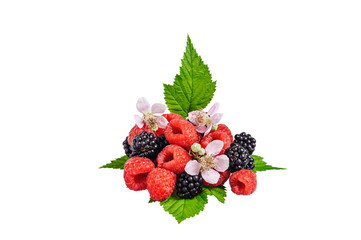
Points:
[211,164]
[204,121]
[150,116]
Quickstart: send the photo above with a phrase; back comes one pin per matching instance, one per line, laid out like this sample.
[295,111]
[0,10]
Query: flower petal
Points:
[216,118]
[209,128]
[210,176]
[158,108]
[143,105]
[222,163]
[162,121]
[201,129]
[193,167]
[139,121]
[213,109]
[214,147]
[192,116]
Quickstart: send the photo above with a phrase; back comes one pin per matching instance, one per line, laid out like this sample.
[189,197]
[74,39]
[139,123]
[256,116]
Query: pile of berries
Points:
[170,154]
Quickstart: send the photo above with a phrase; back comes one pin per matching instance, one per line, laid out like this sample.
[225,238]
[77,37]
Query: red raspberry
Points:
[160,131]
[136,130]
[181,132]
[199,137]
[171,116]
[243,182]
[173,158]
[225,129]
[217,135]
[136,170]
[222,179]
[160,183]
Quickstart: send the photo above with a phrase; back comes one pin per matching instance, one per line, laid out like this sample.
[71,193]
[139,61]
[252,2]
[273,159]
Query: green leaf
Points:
[182,209]
[261,165]
[219,192]
[193,88]
[117,163]
[151,201]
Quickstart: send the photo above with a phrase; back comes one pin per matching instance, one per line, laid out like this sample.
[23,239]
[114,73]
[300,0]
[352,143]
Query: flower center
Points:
[151,121]
[203,119]
[207,162]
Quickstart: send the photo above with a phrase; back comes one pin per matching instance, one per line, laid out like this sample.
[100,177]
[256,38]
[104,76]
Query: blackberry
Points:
[246,141]
[239,158]
[127,148]
[163,142]
[188,186]
[147,145]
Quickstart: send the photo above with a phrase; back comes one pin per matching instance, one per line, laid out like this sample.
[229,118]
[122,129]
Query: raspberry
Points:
[147,145]
[127,148]
[173,158]
[217,135]
[189,186]
[239,158]
[136,170]
[160,184]
[199,138]
[246,141]
[225,129]
[243,182]
[181,132]
[135,131]
[171,116]
[160,131]
[222,179]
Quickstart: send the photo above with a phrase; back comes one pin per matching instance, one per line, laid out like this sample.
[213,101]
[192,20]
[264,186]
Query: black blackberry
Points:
[188,186]
[246,141]
[127,148]
[239,158]
[163,142]
[147,145]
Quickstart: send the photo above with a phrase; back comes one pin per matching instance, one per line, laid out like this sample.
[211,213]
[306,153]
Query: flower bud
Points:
[202,151]
[196,147]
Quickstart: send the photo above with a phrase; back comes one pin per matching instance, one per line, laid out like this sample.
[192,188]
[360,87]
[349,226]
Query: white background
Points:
[288,72]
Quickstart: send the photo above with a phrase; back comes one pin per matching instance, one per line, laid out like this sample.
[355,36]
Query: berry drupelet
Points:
[239,158]
[162,142]
[127,148]
[188,186]
[246,141]
[147,145]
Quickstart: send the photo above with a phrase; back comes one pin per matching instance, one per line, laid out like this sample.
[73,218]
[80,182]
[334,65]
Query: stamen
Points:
[203,119]
[207,162]
[151,121]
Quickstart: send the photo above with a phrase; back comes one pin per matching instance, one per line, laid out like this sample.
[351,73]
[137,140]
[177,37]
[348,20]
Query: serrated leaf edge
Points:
[109,165]
[219,189]
[181,218]
[265,165]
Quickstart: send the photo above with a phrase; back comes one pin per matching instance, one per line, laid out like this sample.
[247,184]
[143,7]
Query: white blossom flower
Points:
[204,121]
[151,115]
[211,164]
